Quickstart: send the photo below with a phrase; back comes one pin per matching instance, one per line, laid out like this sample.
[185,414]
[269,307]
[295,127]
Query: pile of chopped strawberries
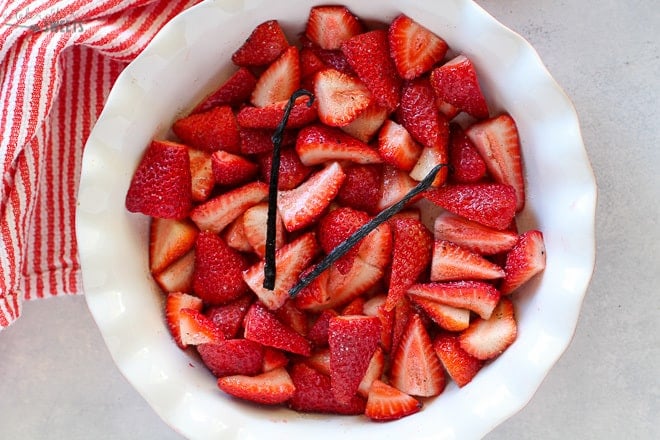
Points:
[414,304]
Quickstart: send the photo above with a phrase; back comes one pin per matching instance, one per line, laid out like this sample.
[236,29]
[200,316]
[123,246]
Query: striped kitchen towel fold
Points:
[58,61]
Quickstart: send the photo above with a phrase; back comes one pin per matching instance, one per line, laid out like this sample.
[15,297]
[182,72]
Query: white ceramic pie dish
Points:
[191,56]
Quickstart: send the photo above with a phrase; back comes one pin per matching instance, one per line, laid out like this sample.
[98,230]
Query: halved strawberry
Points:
[461,366]
[215,129]
[453,262]
[367,124]
[161,185]
[362,188]
[232,356]
[278,82]
[329,26]
[467,165]
[340,97]
[472,235]
[523,261]
[234,235]
[231,169]
[196,328]
[271,388]
[456,82]
[229,317]
[201,174]
[488,338]
[497,141]
[335,228]
[415,49]
[266,42]
[178,276]
[262,326]
[303,205]
[271,115]
[169,240]
[234,91]
[478,296]
[174,303]
[317,144]
[448,317]
[394,186]
[374,371]
[491,204]
[397,147]
[218,270]
[292,171]
[254,228]
[315,295]
[386,403]
[343,288]
[415,368]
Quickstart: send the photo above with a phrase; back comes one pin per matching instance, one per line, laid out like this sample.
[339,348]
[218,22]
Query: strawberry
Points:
[274,359]
[215,129]
[402,314]
[229,317]
[174,304]
[467,165]
[456,82]
[340,97]
[254,228]
[215,214]
[386,403]
[290,261]
[334,59]
[201,174]
[488,338]
[278,82]
[266,42]
[231,169]
[195,328]
[262,326]
[271,115]
[234,91]
[447,109]
[271,388]
[257,141]
[318,332]
[453,262]
[310,63]
[317,144]
[234,235]
[329,26]
[232,356]
[218,270]
[478,296]
[411,255]
[169,240]
[320,361]
[292,171]
[414,49]
[303,205]
[395,185]
[343,288]
[361,188]
[335,228]
[315,295]
[461,366]
[448,317]
[491,204]
[293,317]
[353,341]
[161,185]
[178,276]
[314,394]
[523,261]
[376,247]
[367,123]
[375,306]
[415,368]
[397,147]
[497,141]
[472,235]
[355,307]
[374,372]
[369,55]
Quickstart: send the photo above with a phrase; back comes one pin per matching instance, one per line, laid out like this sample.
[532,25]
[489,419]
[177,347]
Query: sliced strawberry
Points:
[397,147]
[497,141]
[394,186]
[415,49]
[340,97]
[488,338]
[231,169]
[195,328]
[453,262]
[467,165]
[178,276]
[355,307]
[290,261]
[461,366]
[174,303]
[376,247]
[161,185]
[412,251]
[448,317]
[262,326]
[234,91]
[201,173]
[472,235]
[229,317]
[352,340]
[447,109]
[403,312]
[375,306]
[232,356]
[335,228]
[456,82]
[271,388]
[215,214]
[292,171]
[523,261]
[320,361]
[367,124]
[215,129]
[274,359]
[271,116]
[329,26]
[254,228]
[303,205]
[343,288]
[318,332]
[293,317]
[387,403]
[315,295]
[218,270]
[491,204]
[415,368]
[279,81]
[428,160]
[374,372]
[169,240]
[234,235]
[362,188]
[266,42]
[334,59]
[369,56]
[257,141]
[310,63]
[317,144]
[478,296]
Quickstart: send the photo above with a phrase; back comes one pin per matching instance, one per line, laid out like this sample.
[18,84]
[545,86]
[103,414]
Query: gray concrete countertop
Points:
[57,380]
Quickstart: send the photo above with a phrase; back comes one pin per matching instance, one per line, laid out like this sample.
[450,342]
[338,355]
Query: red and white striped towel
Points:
[58,61]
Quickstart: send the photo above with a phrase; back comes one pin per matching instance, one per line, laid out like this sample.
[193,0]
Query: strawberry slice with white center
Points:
[340,97]
[453,262]
[201,173]
[394,186]
[329,26]
[234,235]
[317,144]
[397,147]
[174,303]
[178,276]
[169,240]
[254,220]
[472,235]
[415,49]
[456,82]
[498,142]
[524,261]
[478,296]
[488,338]
[278,82]
[461,366]
[385,403]
[271,388]
[262,326]
[374,371]
[448,317]
[367,124]
[196,328]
